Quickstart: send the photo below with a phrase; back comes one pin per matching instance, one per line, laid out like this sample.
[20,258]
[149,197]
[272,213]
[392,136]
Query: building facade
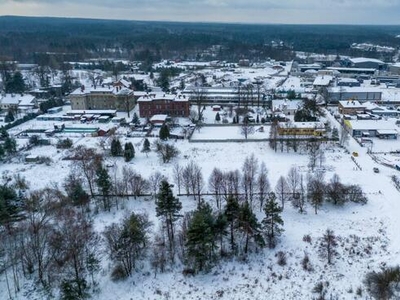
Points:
[100,98]
[162,104]
[301,128]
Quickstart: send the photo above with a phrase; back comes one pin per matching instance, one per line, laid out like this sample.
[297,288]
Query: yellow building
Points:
[100,98]
[301,128]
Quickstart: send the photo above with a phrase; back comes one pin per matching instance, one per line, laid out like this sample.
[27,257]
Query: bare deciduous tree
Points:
[328,245]
[215,184]
[316,190]
[193,180]
[37,255]
[263,185]
[282,191]
[87,162]
[246,128]
[249,169]
[155,180]
[293,181]
[177,169]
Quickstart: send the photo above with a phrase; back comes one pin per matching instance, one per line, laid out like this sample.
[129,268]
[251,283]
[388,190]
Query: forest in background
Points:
[22,38]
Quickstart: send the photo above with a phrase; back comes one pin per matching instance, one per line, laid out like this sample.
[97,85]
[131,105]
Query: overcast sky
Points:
[233,11]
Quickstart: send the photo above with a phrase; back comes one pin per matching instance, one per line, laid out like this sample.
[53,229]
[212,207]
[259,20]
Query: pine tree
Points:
[200,237]
[164,132]
[220,230]
[116,148]
[168,208]
[10,206]
[272,223]
[10,145]
[135,119]
[9,117]
[104,183]
[232,213]
[127,242]
[335,133]
[3,133]
[129,151]
[75,192]
[15,84]
[2,152]
[146,147]
[249,225]
[217,117]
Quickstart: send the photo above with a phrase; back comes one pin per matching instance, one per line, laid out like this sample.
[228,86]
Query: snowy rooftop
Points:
[373,124]
[286,104]
[100,89]
[301,125]
[351,104]
[323,80]
[26,100]
[158,118]
[161,96]
[356,89]
[346,79]
[365,59]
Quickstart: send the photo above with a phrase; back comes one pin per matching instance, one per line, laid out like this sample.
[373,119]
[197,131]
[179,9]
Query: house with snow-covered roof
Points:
[351,107]
[163,104]
[322,81]
[286,106]
[301,128]
[18,102]
[100,98]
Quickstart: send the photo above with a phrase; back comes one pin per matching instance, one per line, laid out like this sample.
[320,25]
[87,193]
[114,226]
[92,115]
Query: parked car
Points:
[376,170]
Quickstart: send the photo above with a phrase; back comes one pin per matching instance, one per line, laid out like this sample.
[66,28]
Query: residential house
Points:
[286,106]
[18,102]
[351,107]
[301,128]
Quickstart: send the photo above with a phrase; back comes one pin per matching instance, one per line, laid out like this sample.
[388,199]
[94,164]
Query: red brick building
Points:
[156,104]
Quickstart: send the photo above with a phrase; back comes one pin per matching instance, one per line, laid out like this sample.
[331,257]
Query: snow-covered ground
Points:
[368,234]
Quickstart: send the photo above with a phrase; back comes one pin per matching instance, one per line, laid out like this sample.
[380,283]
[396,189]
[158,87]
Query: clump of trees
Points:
[166,151]
[384,284]
[127,243]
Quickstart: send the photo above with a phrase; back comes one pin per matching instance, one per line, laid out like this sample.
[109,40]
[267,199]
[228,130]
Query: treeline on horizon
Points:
[79,39]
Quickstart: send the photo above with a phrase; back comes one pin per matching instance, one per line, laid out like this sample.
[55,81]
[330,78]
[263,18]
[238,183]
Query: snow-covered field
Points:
[368,234]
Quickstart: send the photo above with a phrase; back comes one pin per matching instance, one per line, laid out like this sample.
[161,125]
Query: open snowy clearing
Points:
[368,234]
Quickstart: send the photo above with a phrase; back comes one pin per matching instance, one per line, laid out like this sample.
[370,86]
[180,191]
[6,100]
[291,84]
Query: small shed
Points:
[118,120]
[32,158]
[158,120]
[216,108]
[104,119]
